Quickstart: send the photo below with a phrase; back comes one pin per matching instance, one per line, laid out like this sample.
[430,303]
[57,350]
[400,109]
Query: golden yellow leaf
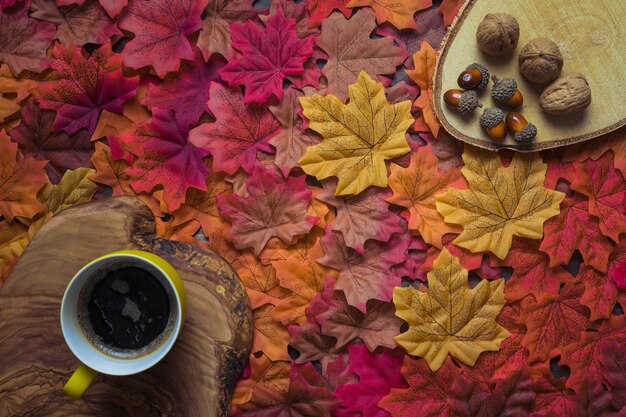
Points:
[500,202]
[14,237]
[74,188]
[450,317]
[358,136]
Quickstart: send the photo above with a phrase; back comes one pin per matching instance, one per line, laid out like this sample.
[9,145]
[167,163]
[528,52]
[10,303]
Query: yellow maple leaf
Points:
[358,136]
[450,317]
[500,202]
[74,188]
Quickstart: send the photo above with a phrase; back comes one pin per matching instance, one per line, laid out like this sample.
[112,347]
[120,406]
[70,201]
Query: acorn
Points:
[492,120]
[464,101]
[475,77]
[522,131]
[505,91]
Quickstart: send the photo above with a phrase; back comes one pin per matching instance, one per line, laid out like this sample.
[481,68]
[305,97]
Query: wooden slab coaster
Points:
[197,376]
[590,35]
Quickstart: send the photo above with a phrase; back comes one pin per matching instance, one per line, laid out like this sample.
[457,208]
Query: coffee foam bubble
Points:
[83,313]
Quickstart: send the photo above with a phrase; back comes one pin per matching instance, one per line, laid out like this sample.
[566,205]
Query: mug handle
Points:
[79,381]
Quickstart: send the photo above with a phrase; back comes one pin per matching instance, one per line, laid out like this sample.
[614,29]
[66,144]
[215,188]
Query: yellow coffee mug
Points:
[96,358]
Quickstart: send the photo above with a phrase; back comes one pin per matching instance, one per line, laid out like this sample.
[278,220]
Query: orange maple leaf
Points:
[424,62]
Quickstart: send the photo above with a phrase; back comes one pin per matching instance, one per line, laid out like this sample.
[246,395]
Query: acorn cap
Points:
[503,89]
[468,102]
[484,72]
[527,134]
[491,117]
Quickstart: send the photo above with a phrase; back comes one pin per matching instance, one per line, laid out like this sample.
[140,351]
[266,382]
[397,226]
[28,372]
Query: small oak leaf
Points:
[450,317]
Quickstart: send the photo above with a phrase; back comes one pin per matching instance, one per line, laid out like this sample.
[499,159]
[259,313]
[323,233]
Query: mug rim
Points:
[118,366]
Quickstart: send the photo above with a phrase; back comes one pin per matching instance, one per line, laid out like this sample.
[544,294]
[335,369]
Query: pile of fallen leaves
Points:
[391,271]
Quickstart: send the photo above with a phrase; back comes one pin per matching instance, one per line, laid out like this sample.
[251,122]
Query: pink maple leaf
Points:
[87,86]
[113,7]
[186,91]
[378,374]
[238,133]
[267,57]
[164,157]
[161,28]
[274,207]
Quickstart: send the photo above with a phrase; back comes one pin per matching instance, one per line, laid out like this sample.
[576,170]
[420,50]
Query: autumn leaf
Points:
[350,51]
[111,124]
[164,157]
[76,24]
[447,150]
[554,321]
[37,138]
[358,137]
[450,317]
[612,360]
[273,375]
[415,188]
[238,133]
[531,271]
[575,229]
[16,90]
[74,188]
[424,62]
[378,373]
[375,328]
[186,91]
[260,281]
[161,29]
[183,232]
[87,86]
[275,207]
[270,336]
[553,397]
[397,12]
[606,189]
[24,41]
[267,57]
[450,9]
[614,141]
[292,10]
[427,392]
[558,170]
[292,141]
[601,293]
[321,9]
[112,7]
[14,237]
[20,180]
[415,256]
[500,202]
[363,276]
[362,217]
[583,357]
[307,396]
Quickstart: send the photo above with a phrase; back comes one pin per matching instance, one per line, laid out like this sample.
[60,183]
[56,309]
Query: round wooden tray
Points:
[591,37]
[196,377]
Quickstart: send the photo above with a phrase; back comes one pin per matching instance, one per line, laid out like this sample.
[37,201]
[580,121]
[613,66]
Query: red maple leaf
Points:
[584,356]
[362,217]
[554,321]
[87,86]
[76,24]
[38,139]
[238,133]
[449,9]
[307,396]
[24,41]
[164,157]
[5,4]
[557,168]
[428,391]
[415,257]
[375,328]
[186,91]
[275,207]
[606,189]
[378,373]
[531,271]
[601,293]
[363,276]
[575,229]
[20,180]
[617,264]
[553,397]
[161,28]
[113,7]
[267,57]
[321,9]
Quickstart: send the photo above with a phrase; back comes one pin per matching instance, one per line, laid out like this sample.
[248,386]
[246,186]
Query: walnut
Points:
[540,60]
[566,95]
[497,34]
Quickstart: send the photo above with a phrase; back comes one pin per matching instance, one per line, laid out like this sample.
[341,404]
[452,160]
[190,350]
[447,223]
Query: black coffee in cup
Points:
[126,312]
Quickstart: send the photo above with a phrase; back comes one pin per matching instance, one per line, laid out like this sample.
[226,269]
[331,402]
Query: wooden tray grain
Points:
[195,378]
[591,37]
